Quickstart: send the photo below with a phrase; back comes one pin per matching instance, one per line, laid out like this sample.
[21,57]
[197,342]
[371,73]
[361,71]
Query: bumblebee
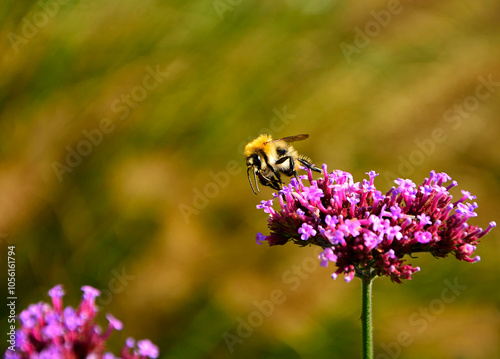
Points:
[268,158]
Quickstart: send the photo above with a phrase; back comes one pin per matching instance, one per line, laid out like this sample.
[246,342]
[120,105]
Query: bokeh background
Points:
[157,211]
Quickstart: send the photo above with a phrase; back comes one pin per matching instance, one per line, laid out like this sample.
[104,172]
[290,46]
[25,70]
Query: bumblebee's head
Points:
[254,161]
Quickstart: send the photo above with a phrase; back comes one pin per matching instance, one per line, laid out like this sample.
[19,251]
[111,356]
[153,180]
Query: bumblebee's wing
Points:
[291,138]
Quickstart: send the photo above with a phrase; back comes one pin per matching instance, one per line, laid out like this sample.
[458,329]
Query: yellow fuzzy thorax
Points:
[260,144]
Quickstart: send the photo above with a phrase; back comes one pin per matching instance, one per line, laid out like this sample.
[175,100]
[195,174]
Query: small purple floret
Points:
[147,348]
[306,231]
[260,238]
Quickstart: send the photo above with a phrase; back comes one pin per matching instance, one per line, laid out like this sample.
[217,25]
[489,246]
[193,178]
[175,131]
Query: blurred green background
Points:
[122,125]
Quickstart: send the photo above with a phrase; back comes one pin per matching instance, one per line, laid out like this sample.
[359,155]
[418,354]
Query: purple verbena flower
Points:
[360,229]
[147,348]
[306,231]
[394,232]
[423,219]
[56,294]
[260,238]
[423,237]
[53,332]
[267,206]
[313,193]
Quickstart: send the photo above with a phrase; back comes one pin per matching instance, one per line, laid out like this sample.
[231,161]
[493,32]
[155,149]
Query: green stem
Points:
[366,316]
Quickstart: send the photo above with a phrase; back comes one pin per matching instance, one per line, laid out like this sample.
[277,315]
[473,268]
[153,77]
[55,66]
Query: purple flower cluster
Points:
[364,231]
[51,331]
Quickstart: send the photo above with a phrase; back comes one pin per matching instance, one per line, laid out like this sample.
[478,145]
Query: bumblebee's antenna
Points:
[249,180]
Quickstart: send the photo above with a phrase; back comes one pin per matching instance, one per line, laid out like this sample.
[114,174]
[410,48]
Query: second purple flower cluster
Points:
[51,331]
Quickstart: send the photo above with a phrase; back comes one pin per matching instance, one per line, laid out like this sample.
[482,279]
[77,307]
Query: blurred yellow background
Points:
[122,125]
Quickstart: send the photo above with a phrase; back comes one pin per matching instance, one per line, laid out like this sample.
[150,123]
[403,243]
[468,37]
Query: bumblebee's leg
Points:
[309,165]
[275,184]
[276,180]
[277,176]
[270,182]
